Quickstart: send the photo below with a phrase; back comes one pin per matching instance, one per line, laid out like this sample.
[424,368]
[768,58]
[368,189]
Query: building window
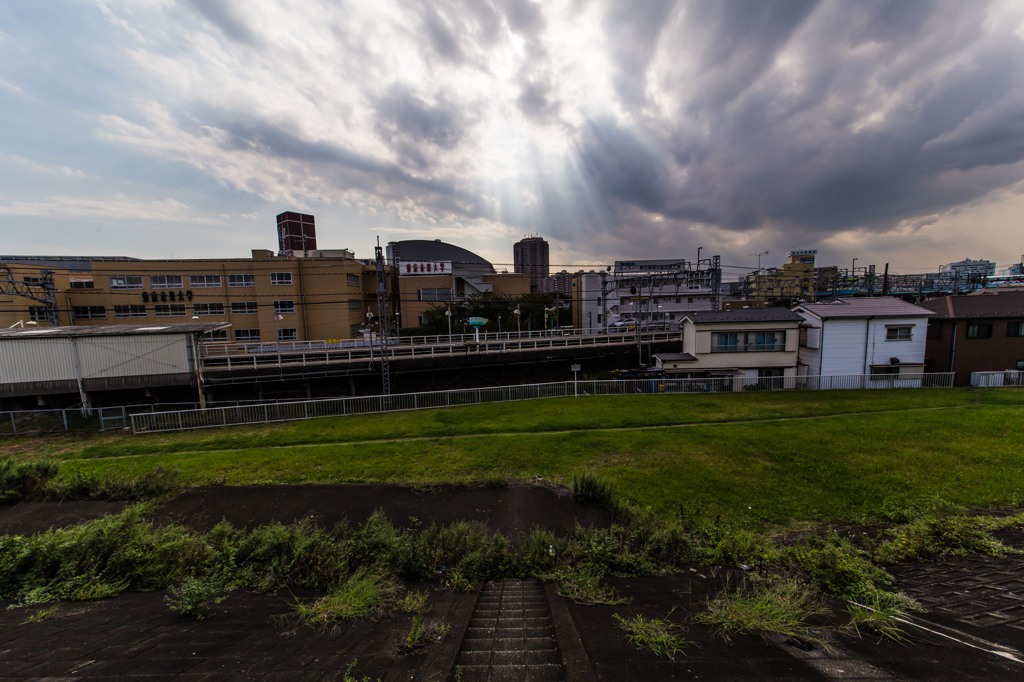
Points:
[355,304]
[884,370]
[247,335]
[125,282]
[689,299]
[208,308]
[1020,365]
[764,341]
[671,316]
[725,343]
[204,281]
[281,278]
[32,280]
[898,333]
[421,320]
[599,316]
[243,308]
[82,284]
[129,311]
[353,280]
[979,330]
[89,312]
[433,294]
[1015,329]
[37,313]
[241,280]
[172,310]
[287,335]
[165,281]
[282,307]
[216,335]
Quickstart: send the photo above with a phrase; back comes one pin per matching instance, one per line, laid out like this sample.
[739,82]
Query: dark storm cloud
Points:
[227,16]
[748,147]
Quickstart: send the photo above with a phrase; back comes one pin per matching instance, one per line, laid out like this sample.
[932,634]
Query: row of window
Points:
[194,281]
[99,312]
[983,330]
[734,342]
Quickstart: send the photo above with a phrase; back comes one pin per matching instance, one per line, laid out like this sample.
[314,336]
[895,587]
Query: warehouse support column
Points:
[82,395]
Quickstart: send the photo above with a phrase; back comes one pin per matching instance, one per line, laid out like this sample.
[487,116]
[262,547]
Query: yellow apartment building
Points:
[320,296]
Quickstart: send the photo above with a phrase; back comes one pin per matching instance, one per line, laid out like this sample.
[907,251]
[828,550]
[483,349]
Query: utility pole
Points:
[383,323]
[885,280]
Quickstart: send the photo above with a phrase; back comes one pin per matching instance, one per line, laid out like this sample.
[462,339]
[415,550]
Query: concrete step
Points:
[510,637]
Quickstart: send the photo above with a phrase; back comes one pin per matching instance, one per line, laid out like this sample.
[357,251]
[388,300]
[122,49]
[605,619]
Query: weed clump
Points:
[365,592]
[19,480]
[659,635]
[777,606]
[589,488]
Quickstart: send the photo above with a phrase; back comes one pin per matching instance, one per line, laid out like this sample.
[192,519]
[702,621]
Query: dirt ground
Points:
[510,510]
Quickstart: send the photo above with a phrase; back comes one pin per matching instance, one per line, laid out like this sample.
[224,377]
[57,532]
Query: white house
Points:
[880,336]
[750,344]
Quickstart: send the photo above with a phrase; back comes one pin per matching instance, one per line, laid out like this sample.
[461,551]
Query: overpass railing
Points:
[1005,378]
[254,356]
[221,349]
[310,409]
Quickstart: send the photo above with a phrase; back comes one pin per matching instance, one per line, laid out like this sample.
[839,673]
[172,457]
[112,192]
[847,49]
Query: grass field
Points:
[752,458]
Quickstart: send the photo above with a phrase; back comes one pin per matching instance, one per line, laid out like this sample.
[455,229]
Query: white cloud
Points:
[118,208]
[52,169]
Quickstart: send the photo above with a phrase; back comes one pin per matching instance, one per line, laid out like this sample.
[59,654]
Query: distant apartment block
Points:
[986,268]
[558,283]
[530,256]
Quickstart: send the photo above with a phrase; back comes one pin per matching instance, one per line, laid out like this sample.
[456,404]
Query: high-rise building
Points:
[296,233]
[530,256]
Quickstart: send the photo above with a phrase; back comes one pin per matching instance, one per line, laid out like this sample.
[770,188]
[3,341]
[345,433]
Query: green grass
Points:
[750,458]
[778,606]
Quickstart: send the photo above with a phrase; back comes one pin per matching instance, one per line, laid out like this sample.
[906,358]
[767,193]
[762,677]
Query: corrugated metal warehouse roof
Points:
[113,330]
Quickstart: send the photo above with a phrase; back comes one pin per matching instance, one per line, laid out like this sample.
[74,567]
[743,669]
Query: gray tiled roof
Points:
[880,306]
[745,315]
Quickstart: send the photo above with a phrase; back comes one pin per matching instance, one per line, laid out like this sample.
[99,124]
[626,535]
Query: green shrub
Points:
[583,585]
[150,485]
[930,538]
[194,597]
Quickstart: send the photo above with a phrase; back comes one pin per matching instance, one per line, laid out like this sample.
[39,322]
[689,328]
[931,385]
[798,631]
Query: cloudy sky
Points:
[886,130]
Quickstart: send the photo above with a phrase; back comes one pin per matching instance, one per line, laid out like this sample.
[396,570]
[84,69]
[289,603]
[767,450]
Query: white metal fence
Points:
[72,419]
[309,409]
[1004,378]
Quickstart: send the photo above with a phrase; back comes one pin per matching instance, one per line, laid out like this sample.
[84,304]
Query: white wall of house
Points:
[852,346]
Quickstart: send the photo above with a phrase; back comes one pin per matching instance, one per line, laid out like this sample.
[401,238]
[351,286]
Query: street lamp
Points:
[519,322]
[398,327]
[277,330]
[548,310]
[448,314]
[499,327]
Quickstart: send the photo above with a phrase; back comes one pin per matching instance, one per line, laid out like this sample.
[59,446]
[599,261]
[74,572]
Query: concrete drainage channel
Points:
[519,631]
